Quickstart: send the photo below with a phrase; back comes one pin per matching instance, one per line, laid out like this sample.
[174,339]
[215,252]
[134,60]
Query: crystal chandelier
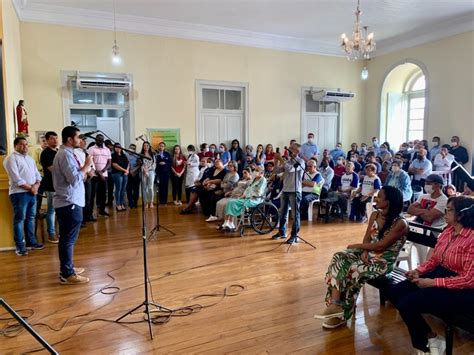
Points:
[361,44]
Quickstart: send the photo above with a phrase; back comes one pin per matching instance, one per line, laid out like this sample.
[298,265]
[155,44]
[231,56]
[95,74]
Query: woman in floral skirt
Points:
[375,256]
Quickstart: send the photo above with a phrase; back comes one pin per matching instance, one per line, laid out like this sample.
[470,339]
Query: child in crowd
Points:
[371,185]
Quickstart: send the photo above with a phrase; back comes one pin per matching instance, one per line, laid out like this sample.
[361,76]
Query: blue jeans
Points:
[286,199]
[24,213]
[120,182]
[69,220]
[50,214]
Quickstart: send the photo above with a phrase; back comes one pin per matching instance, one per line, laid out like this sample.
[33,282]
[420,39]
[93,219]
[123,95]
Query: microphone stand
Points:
[146,302]
[296,166]
[158,226]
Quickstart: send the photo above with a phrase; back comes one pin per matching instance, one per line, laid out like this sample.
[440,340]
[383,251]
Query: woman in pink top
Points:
[444,284]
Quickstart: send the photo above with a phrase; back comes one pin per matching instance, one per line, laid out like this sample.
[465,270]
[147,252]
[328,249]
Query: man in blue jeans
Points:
[291,194]
[69,199]
[24,181]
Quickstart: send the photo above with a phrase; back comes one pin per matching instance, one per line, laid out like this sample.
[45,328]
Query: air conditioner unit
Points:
[97,83]
[331,95]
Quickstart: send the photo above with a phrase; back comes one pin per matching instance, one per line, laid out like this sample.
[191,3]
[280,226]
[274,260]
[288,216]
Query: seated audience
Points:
[451,191]
[211,188]
[178,168]
[363,149]
[328,174]
[328,157]
[444,284]
[384,152]
[375,256]
[194,190]
[429,209]
[348,182]
[120,170]
[269,170]
[352,152]
[236,192]
[213,150]
[370,187]
[252,196]
[389,149]
[399,178]
[339,170]
[228,183]
[420,167]
[372,159]
[312,184]
[337,152]
[385,171]
[357,166]
[309,149]
[23,184]
[460,153]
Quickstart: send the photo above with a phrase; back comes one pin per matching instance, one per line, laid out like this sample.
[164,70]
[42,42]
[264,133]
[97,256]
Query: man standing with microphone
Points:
[291,192]
[68,181]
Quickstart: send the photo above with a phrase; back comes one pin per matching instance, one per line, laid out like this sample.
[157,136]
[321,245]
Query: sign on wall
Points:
[170,136]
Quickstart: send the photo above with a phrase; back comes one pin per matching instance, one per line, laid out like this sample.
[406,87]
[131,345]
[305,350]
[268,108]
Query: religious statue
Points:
[22,118]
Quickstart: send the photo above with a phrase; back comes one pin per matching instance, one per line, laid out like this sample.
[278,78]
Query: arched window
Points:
[415,96]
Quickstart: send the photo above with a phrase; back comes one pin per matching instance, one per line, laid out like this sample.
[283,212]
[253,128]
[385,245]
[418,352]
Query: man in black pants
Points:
[102,161]
[133,183]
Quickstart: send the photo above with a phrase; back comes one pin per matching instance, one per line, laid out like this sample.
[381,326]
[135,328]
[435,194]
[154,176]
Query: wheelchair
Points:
[263,218]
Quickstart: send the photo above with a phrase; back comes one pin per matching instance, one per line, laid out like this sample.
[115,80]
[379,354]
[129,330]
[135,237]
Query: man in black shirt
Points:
[46,159]
[459,152]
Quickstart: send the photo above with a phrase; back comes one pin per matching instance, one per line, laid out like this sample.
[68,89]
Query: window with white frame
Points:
[415,95]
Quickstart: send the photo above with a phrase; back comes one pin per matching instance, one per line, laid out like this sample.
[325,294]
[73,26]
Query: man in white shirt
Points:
[436,147]
[24,181]
[443,160]
[420,167]
[81,154]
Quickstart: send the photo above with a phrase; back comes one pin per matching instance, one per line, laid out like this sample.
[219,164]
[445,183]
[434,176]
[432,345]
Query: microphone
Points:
[89,134]
[142,137]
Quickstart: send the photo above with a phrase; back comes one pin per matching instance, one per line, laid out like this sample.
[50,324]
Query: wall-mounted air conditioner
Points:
[331,95]
[119,83]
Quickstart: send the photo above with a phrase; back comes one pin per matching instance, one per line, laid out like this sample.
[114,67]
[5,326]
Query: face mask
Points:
[429,189]
[205,150]
[190,152]
[435,143]
[213,150]
[454,144]
[209,165]
[310,140]
[353,159]
[339,162]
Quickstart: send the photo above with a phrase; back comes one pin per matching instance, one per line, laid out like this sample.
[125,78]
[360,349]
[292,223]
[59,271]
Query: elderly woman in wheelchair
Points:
[252,197]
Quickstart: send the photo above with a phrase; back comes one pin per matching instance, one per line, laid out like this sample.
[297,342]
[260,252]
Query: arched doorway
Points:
[403,113]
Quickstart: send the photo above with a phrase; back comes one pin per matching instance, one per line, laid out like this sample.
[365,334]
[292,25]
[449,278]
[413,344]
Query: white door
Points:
[220,113]
[112,127]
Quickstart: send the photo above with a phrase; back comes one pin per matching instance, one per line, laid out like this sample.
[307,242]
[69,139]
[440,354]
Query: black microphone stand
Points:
[158,226]
[146,302]
[296,165]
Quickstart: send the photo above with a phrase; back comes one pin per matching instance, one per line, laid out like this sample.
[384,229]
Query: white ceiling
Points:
[312,26]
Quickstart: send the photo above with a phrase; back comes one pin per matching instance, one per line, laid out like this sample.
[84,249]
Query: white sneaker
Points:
[176,203]
[437,345]
[419,352]
[212,218]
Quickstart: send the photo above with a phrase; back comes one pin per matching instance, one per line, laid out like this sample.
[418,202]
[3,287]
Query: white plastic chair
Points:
[310,209]
[405,255]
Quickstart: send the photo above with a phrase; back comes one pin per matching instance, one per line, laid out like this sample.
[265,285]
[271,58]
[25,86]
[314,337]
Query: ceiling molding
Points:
[423,35]
[50,14]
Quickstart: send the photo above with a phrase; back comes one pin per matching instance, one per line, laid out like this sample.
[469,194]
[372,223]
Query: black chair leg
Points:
[449,339]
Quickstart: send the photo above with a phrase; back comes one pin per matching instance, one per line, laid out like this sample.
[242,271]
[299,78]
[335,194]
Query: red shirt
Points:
[207,155]
[179,163]
[269,156]
[339,170]
[455,253]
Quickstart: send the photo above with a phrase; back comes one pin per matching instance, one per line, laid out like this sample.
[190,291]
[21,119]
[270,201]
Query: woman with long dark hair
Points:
[376,255]
[444,284]
[178,168]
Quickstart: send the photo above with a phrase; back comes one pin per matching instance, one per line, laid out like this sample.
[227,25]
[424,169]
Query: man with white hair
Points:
[312,185]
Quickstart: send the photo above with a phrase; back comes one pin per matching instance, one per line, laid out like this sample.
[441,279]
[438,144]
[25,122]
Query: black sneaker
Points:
[278,236]
[22,252]
[104,213]
[36,246]
[292,240]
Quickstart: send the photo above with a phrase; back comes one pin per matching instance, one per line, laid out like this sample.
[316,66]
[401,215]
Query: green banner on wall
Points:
[170,136]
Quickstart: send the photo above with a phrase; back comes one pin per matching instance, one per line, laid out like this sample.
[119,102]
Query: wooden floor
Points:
[272,315]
